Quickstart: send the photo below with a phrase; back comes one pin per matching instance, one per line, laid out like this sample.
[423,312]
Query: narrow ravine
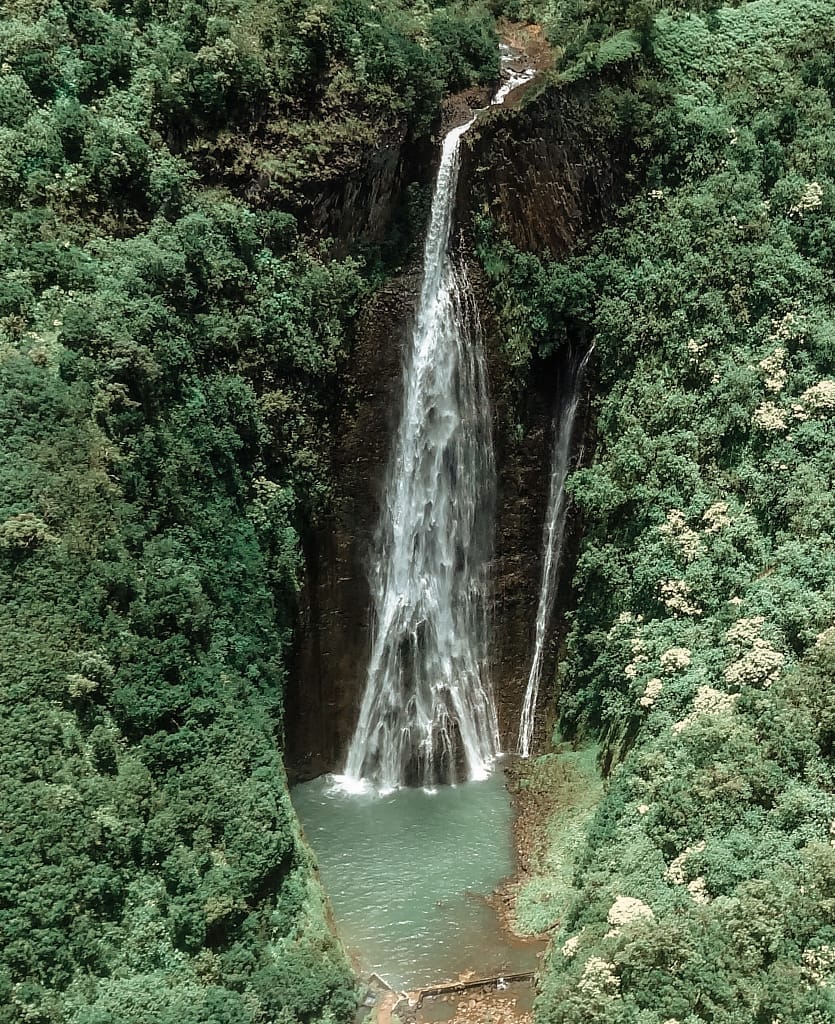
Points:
[408,854]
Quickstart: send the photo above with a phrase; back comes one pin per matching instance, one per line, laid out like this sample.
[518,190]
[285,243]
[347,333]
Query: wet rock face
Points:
[547,179]
[545,172]
[522,476]
[326,683]
[333,637]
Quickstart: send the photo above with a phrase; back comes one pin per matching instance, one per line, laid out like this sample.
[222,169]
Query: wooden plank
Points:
[451,987]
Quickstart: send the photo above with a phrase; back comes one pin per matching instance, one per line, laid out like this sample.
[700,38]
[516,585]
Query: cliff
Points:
[547,170]
[547,179]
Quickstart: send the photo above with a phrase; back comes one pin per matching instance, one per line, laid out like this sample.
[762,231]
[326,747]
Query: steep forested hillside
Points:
[168,354]
[702,649]
[171,348]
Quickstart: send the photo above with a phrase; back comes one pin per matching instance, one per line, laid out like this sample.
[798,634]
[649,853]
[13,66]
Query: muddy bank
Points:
[511,1005]
[534,803]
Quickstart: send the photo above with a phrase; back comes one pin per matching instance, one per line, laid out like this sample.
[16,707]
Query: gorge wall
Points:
[361,203]
[546,178]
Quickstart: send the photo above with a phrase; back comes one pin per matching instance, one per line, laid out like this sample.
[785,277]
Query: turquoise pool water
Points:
[407,875]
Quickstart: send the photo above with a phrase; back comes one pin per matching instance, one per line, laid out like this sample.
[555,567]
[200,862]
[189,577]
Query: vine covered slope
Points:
[170,347]
[701,650]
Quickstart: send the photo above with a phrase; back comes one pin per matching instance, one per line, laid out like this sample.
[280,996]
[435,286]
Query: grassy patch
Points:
[558,794]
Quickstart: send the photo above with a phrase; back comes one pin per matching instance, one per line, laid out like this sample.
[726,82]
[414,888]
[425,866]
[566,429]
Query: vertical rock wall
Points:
[333,635]
[546,175]
[547,171]
[363,203]
[546,178]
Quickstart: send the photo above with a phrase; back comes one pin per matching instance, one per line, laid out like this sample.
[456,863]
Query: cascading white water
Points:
[514,78]
[427,705]
[552,539]
[427,714]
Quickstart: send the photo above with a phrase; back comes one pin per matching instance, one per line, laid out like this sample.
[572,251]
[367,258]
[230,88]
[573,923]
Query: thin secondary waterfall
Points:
[427,714]
[552,539]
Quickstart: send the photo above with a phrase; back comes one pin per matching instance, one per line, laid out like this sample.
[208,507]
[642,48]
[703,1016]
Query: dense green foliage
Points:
[149,560]
[702,648]
[170,350]
[170,358]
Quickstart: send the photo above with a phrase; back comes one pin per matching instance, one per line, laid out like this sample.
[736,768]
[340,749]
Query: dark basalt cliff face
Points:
[545,171]
[547,180]
[361,203]
[522,438]
[328,674]
[358,197]
[524,441]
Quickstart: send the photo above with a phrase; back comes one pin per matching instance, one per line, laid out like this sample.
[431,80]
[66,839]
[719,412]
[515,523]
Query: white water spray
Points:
[553,534]
[427,714]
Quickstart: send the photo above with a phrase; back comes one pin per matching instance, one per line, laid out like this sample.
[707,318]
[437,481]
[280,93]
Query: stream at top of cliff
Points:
[408,876]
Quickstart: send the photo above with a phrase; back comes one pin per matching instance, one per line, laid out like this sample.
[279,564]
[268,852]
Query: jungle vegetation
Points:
[701,648]
[169,352]
[171,344]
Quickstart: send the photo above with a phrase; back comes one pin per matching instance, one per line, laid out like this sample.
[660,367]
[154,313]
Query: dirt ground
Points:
[482,1008]
[510,1004]
[530,41]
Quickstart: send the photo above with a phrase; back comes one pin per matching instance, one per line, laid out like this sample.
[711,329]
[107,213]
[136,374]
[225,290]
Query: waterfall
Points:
[552,538]
[427,713]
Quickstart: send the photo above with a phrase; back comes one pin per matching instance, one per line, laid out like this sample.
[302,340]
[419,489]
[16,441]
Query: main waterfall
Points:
[553,533]
[427,713]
